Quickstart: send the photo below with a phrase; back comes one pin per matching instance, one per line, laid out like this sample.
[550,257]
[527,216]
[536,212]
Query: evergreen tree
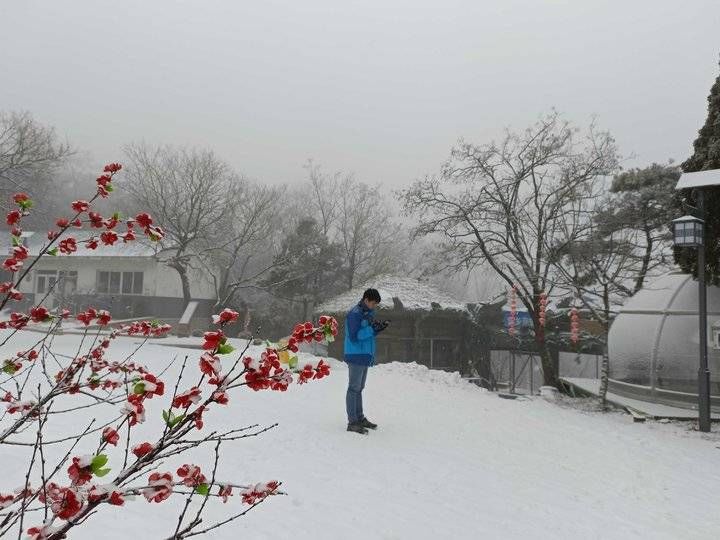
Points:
[707,156]
[307,269]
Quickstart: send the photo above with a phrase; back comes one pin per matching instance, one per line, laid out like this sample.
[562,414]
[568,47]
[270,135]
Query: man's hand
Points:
[379,326]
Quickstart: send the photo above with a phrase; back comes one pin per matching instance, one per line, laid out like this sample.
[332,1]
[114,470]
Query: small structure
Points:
[653,343]
[126,279]
[427,326]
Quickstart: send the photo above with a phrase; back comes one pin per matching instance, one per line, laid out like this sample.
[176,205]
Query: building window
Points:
[716,338]
[62,282]
[120,282]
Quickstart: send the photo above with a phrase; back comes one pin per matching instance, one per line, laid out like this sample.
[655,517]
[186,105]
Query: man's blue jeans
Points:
[356,383]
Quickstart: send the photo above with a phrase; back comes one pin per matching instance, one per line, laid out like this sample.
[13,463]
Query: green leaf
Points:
[9,368]
[53,252]
[225,348]
[139,388]
[16,241]
[117,215]
[109,188]
[26,205]
[203,489]
[293,362]
[97,464]
[171,419]
[101,472]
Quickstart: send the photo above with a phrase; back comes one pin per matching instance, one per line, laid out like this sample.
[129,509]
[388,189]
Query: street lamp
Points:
[689,231]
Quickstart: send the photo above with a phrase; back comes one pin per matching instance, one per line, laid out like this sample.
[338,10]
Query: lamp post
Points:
[689,231]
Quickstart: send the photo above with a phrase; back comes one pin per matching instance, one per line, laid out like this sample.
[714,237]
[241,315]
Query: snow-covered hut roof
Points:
[397,293]
[35,241]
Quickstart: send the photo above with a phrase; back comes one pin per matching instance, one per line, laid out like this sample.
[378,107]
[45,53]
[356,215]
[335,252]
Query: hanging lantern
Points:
[543,308]
[574,325]
[513,310]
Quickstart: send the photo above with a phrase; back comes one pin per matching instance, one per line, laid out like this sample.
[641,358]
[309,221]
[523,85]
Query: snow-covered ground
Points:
[449,460]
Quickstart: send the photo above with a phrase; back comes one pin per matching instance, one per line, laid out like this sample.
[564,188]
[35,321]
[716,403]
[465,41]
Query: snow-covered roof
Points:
[699,179]
[412,294]
[36,241]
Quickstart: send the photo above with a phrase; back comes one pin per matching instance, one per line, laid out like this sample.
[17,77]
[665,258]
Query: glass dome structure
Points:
[654,344]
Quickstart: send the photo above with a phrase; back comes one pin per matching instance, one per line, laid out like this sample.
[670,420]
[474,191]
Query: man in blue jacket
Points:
[360,331]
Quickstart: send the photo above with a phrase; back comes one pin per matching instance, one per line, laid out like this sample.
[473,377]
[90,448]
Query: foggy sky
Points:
[382,88]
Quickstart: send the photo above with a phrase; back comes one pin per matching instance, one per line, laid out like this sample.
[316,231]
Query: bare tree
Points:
[188,190]
[28,152]
[505,204]
[240,253]
[358,217]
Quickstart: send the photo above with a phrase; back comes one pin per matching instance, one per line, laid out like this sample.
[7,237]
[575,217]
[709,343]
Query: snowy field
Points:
[449,461]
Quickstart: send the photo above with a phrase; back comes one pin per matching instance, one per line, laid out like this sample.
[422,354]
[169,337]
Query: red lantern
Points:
[543,308]
[574,325]
[513,310]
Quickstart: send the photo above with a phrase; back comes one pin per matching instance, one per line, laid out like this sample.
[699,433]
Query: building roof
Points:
[396,292]
[36,241]
[699,179]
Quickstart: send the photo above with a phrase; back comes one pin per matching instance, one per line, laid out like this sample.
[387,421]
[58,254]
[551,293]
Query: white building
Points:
[126,279]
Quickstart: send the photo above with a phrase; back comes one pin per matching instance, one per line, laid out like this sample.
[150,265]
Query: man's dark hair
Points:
[372,294]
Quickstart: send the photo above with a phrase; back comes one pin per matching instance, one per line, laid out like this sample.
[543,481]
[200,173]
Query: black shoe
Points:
[364,422]
[357,428]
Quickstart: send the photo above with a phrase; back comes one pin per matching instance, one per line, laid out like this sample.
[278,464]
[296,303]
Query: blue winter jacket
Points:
[360,336]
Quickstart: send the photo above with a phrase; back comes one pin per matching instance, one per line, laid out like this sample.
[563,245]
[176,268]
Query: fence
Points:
[521,371]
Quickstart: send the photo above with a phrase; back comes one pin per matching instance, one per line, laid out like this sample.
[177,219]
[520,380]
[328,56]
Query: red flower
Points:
[191,475]
[117,498]
[160,487]
[104,180]
[96,220]
[210,364]
[110,436]
[13,217]
[322,370]
[128,237]
[152,386]
[77,223]
[104,317]
[80,206]
[226,316]
[306,374]
[144,220]
[69,505]
[20,253]
[39,314]
[20,198]
[67,246]
[225,492]
[80,471]
[213,340]
[134,409]
[185,399]
[108,238]
[85,317]
[198,417]
[258,492]
[220,398]
[112,168]
[6,500]
[143,449]
[62,223]
[8,288]
[12,264]
[40,533]
[52,235]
